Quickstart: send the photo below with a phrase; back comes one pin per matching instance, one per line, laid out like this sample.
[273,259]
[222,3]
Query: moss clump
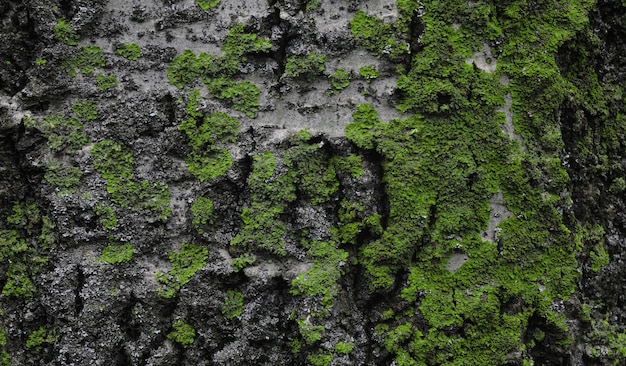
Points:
[242,262]
[65,33]
[310,333]
[320,359]
[40,337]
[86,61]
[369,73]
[339,80]
[64,134]
[359,132]
[344,348]
[131,51]
[182,333]
[379,37]
[5,358]
[233,304]
[322,279]
[190,259]
[187,67]
[115,163]
[25,243]
[312,170]
[207,4]
[271,192]
[63,176]
[202,212]
[308,67]
[86,110]
[207,135]
[117,253]
[107,216]
[352,164]
[106,82]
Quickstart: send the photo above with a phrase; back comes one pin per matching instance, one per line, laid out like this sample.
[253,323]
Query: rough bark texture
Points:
[321,182]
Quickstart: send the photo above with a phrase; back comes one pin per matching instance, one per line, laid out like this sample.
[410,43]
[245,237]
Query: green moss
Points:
[244,96]
[233,304]
[208,160]
[117,253]
[202,212]
[5,358]
[271,192]
[25,216]
[312,169]
[184,69]
[182,333]
[41,61]
[115,163]
[107,216]
[131,51]
[207,4]
[352,164]
[40,337]
[369,73]
[65,33]
[63,176]
[242,262]
[322,279]
[187,67]
[339,80]
[344,348]
[377,36]
[239,43]
[86,110]
[359,131]
[106,82]
[86,61]
[310,333]
[308,67]
[599,257]
[320,359]
[64,134]
[190,259]
[296,346]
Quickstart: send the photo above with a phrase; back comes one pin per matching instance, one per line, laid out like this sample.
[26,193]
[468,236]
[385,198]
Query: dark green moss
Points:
[86,61]
[40,337]
[208,159]
[65,33]
[271,192]
[369,73]
[117,253]
[322,279]
[106,82]
[378,36]
[182,333]
[64,134]
[115,163]
[308,67]
[207,4]
[339,80]
[131,51]
[86,110]
[63,176]
[312,169]
[190,259]
[202,212]
[233,304]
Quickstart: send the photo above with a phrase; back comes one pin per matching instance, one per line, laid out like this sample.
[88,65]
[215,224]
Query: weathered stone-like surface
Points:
[317,230]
